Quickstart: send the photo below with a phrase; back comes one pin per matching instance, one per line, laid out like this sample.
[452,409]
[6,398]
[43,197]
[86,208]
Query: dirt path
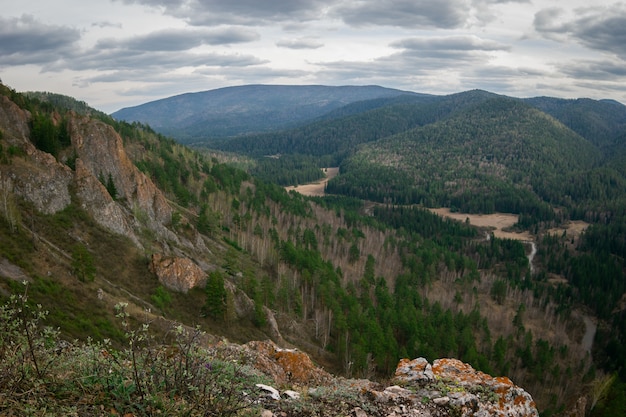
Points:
[316,189]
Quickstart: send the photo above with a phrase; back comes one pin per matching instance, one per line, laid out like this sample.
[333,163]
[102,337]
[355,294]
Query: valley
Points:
[522,276]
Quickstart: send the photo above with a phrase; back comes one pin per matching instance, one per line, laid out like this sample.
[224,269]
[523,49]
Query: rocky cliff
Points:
[48,184]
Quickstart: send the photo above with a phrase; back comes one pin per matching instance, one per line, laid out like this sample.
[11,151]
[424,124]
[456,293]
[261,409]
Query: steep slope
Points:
[497,155]
[233,111]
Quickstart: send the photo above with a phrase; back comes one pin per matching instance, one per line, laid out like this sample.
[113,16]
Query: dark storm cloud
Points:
[600,28]
[25,41]
[302,43]
[180,39]
[404,13]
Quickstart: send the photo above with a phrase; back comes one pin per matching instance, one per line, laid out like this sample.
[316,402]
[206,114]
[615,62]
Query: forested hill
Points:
[245,109]
[499,155]
[601,122]
[337,136]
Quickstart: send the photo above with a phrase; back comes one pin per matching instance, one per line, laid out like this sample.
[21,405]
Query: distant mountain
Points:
[247,109]
[338,133]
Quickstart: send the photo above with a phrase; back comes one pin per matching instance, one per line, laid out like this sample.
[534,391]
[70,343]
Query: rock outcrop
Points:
[286,366]
[447,387]
[101,152]
[38,178]
[178,274]
[458,385]
[92,194]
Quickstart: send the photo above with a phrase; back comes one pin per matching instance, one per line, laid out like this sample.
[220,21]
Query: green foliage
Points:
[83,263]
[24,346]
[612,402]
[161,297]
[208,221]
[215,305]
[500,155]
[110,186]
[42,374]
[288,169]
[498,291]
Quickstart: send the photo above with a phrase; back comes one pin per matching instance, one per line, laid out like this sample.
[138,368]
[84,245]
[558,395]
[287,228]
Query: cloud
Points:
[238,12]
[128,60]
[443,52]
[25,40]
[300,43]
[602,70]
[446,14]
[599,28]
[181,39]
[104,24]
[465,43]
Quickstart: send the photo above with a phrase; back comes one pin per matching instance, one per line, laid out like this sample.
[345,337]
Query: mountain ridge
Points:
[244,109]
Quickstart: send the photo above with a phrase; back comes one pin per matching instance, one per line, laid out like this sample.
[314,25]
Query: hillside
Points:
[599,121]
[245,109]
[97,212]
[499,155]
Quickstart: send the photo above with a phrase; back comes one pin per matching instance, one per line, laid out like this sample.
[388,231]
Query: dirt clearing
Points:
[316,189]
[495,221]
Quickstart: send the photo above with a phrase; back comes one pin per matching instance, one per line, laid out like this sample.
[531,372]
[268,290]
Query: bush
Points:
[40,374]
[161,298]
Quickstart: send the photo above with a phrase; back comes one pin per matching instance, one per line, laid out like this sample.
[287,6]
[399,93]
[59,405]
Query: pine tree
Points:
[215,305]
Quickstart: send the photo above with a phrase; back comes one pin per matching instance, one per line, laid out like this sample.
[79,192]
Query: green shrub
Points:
[40,374]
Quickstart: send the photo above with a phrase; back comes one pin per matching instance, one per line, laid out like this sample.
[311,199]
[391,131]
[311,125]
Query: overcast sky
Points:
[119,53]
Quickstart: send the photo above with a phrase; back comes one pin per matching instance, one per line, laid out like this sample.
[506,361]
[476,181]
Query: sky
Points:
[120,53]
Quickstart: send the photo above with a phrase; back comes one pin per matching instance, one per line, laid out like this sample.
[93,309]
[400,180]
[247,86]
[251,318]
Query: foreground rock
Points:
[447,387]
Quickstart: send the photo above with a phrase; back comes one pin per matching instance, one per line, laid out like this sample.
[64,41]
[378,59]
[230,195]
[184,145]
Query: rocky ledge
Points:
[447,387]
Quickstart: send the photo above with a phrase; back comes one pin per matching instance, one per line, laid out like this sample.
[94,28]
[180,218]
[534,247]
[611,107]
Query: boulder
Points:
[455,384]
[178,274]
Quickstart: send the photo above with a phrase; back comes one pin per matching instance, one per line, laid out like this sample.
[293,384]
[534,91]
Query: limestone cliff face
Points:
[38,178]
[95,198]
[41,180]
[102,153]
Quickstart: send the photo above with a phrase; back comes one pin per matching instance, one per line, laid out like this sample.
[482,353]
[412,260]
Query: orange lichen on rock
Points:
[466,388]
[460,372]
[287,365]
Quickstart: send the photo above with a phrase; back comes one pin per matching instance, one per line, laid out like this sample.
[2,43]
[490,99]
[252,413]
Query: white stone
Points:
[292,394]
[273,392]
[441,400]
